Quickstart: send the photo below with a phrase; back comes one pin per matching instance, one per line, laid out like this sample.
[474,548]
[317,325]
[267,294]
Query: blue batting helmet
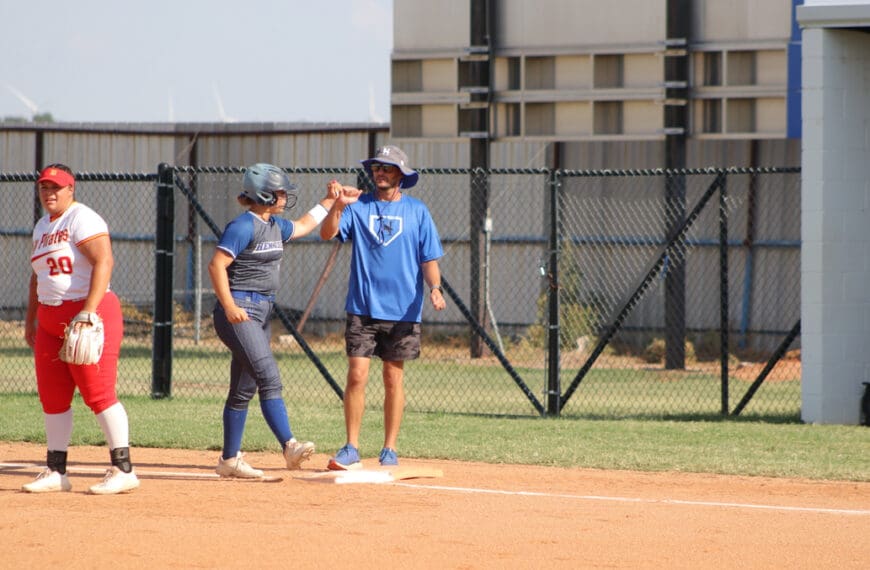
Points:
[262,182]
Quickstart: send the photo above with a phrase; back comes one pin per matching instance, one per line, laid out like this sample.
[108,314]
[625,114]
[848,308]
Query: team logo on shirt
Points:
[52,238]
[385,229]
[266,246]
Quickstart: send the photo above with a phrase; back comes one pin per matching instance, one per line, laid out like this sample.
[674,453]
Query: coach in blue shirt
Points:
[395,253]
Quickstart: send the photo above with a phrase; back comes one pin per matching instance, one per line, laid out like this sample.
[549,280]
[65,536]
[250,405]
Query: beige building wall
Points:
[439,26]
[555,25]
[741,21]
[589,70]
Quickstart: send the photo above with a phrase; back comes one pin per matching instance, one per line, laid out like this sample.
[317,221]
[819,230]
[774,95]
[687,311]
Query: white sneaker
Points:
[116,481]
[297,452]
[48,482]
[237,467]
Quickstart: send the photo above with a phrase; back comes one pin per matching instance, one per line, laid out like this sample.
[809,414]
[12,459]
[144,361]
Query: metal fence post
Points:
[676,116]
[474,123]
[554,385]
[39,144]
[675,276]
[161,377]
[723,288]
[478,214]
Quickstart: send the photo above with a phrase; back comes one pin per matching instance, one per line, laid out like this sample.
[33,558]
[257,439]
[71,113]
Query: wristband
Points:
[436,287]
[318,212]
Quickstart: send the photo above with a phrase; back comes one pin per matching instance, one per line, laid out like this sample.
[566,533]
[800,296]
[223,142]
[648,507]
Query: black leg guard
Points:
[56,461]
[121,459]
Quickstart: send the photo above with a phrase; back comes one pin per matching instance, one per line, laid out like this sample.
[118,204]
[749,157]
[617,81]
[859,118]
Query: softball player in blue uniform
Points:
[245,275]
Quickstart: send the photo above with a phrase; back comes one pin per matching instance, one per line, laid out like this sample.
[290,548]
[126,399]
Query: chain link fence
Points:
[688,280]
[580,293]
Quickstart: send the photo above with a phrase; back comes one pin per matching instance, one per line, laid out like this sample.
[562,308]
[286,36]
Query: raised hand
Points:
[348,195]
[333,189]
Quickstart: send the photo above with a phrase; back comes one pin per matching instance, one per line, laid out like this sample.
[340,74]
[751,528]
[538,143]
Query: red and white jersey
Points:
[63,273]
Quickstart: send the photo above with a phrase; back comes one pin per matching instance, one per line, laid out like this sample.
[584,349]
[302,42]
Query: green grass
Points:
[452,386]
[446,380]
[631,417]
[702,444]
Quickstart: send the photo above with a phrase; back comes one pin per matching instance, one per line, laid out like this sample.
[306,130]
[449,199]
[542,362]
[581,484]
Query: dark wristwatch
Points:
[436,287]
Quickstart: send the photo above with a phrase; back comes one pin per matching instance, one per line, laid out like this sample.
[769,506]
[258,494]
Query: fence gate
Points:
[675,289]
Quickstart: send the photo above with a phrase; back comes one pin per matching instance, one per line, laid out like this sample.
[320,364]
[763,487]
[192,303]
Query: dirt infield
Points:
[475,516]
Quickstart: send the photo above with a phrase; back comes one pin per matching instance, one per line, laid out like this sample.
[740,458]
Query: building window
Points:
[712,115]
[473,121]
[741,68]
[608,117]
[472,74]
[712,68]
[540,73]
[513,73]
[507,74]
[407,76]
[507,120]
[540,119]
[406,121]
[741,115]
[608,71]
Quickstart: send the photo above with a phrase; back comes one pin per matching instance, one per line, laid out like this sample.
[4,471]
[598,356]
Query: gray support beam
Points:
[475,119]
[676,130]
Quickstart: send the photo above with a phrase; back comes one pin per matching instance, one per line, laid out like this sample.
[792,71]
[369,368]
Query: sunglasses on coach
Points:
[385,168]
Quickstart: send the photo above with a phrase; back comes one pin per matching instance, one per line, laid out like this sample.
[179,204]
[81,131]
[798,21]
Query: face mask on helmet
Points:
[262,183]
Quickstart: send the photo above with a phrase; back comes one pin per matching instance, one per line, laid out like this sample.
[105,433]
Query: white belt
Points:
[60,302]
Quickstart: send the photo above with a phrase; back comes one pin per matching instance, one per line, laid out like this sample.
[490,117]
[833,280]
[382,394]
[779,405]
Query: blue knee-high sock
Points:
[234,428]
[275,413]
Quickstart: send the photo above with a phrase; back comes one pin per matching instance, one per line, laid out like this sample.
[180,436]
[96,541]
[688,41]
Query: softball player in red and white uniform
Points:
[72,265]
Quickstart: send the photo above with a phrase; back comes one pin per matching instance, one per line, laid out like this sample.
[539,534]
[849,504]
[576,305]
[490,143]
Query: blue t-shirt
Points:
[256,247]
[390,242]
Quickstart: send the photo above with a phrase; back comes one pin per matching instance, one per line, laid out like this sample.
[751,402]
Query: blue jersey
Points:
[256,247]
[390,242]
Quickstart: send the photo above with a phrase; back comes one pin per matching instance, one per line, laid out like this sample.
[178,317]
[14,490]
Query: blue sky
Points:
[196,60]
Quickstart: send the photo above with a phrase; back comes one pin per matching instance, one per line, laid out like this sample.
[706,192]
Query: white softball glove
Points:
[83,344]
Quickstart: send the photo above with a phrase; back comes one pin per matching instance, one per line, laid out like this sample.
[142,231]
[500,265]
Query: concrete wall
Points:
[835,305]
[835,262]
[437,25]
[740,20]
[529,25]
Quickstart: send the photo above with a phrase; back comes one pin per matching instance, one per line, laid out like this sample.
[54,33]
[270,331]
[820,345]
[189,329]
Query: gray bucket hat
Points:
[390,154]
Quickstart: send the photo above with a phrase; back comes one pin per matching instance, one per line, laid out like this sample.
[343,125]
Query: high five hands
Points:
[343,195]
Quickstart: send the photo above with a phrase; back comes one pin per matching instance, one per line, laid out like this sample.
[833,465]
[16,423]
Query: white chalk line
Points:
[480,491]
[99,470]
[859,512]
